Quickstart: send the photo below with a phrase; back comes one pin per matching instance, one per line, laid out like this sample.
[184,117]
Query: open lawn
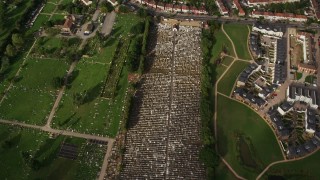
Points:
[225,85]
[34,155]
[96,115]
[48,8]
[264,148]
[307,168]
[34,91]
[221,41]
[239,35]
[219,70]
[57,17]
[227,60]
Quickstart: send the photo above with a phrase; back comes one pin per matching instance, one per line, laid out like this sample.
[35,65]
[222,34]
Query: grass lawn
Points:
[239,35]
[219,70]
[227,60]
[54,1]
[307,168]
[41,19]
[48,8]
[298,75]
[226,83]
[33,94]
[97,115]
[222,40]
[57,17]
[244,120]
[15,157]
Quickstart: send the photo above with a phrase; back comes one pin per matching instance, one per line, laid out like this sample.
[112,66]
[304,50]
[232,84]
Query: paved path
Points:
[105,161]
[56,103]
[108,23]
[57,131]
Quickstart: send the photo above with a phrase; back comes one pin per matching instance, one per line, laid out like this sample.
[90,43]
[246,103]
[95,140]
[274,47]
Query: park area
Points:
[245,141]
[34,91]
[227,82]
[239,35]
[222,44]
[32,154]
[307,168]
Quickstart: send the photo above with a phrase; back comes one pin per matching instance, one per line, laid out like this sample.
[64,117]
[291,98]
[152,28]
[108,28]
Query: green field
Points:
[32,96]
[239,35]
[221,41]
[96,115]
[264,146]
[48,8]
[57,17]
[307,168]
[34,155]
[227,60]
[225,85]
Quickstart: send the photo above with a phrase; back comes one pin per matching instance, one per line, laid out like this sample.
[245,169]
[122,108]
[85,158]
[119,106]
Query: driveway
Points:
[108,23]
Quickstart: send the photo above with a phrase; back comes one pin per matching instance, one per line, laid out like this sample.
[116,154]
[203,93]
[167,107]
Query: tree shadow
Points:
[93,93]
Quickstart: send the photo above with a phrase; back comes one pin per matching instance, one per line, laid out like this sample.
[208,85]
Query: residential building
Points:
[279,16]
[86,2]
[239,8]
[68,25]
[222,8]
[306,94]
[252,3]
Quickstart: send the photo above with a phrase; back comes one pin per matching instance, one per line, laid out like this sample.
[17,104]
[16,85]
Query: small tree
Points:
[10,50]
[17,40]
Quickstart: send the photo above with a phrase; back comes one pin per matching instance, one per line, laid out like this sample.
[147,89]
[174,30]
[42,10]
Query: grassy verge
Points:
[222,43]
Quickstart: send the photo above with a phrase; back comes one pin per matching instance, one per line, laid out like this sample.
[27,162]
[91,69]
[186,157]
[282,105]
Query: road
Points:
[221,19]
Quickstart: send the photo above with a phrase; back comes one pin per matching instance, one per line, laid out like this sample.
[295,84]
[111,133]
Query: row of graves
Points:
[163,138]
[297,121]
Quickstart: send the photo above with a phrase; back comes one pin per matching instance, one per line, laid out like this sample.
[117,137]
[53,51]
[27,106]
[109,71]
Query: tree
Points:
[17,40]
[4,64]
[10,50]
[2,14]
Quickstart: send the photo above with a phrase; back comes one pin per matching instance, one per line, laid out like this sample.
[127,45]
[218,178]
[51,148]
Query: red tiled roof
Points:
[241,11]
[68,23]
[288,15]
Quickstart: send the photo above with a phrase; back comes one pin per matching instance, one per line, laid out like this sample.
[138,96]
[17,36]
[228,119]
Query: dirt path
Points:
[105,161]
[233,47]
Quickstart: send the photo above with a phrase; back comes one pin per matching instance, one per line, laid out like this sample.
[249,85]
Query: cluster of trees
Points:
[74,8]
[106,6]
[295,7]
[207,154]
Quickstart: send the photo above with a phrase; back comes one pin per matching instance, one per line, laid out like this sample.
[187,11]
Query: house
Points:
[68,26]
[252,3]
[284,108]
[86,2]
[89,29]
[222,9]
[267,30]
[306,94]
[279,16]
[238,6]
[310,121]
[308,68]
